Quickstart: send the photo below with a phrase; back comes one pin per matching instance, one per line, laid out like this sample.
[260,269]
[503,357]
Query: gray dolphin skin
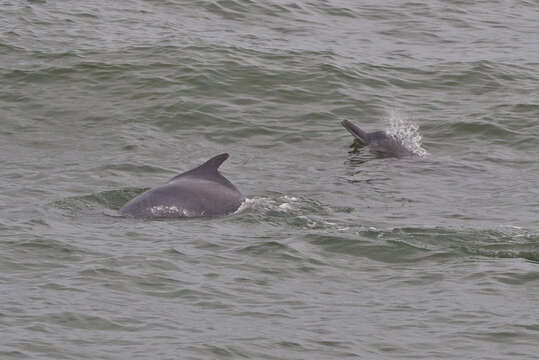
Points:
[378,141]
[202,191]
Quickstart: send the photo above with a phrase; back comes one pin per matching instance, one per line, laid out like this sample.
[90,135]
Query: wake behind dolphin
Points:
[379,141]
[202,191]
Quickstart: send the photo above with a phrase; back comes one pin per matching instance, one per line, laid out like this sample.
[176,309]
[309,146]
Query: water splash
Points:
[291,210]
[282,204]
[407,133]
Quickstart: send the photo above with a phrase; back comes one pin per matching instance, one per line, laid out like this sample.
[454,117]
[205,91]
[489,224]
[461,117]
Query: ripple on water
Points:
[432,244]
[331,255]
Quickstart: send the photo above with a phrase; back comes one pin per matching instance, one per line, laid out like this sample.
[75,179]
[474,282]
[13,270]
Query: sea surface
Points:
[338,252]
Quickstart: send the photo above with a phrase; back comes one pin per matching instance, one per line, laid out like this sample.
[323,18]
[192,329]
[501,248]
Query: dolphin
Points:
[201,191]
[378,141]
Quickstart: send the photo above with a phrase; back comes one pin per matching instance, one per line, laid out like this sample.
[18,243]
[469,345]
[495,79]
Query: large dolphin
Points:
[378,141]
[202,191]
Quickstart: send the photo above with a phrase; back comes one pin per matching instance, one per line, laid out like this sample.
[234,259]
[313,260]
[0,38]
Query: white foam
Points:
[285,207]
[162,211]
[289,198]
[283,204]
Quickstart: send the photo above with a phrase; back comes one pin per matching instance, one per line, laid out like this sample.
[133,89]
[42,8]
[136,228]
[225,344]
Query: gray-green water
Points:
[336,254]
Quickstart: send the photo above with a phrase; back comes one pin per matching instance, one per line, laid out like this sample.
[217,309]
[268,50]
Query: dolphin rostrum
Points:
[202,191]
[378,141]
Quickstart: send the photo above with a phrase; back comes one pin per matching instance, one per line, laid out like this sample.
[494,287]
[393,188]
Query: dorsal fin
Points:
[357,132]
[208,168]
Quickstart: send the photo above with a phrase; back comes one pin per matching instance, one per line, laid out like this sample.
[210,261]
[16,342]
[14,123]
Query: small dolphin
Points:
[378,141]
[202,191]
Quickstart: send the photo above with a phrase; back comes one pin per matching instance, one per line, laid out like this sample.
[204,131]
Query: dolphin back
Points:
[202,191]
[187,197]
